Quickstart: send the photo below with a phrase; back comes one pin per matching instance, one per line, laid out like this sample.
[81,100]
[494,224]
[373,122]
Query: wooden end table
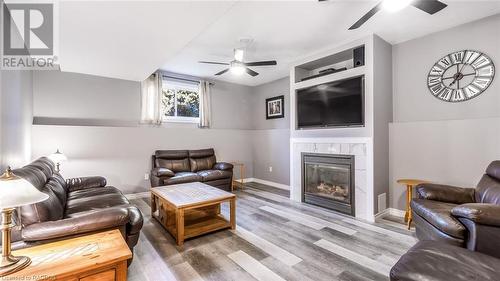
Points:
[241,180]
[410,183]
[102,256]
[191,209]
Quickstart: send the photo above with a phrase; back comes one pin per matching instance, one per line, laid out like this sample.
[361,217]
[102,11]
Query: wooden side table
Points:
[410,183]
[242,175]
[102,256]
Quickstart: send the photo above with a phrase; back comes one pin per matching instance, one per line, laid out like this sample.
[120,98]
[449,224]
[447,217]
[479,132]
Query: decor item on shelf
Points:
[15,192]
[275,107]
[461,76]
[358,56]
[58,157]
[324,72]
[429,6]
[238,67]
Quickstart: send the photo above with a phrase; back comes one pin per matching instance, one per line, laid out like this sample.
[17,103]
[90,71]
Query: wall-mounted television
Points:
[334,104]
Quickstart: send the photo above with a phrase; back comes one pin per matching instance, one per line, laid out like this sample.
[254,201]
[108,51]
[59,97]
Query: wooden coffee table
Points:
[191,209]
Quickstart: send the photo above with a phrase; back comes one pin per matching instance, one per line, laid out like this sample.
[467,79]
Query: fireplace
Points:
[328,181]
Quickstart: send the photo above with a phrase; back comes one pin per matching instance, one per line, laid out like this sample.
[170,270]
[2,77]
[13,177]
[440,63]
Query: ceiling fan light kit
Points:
[395,5]
[238,67]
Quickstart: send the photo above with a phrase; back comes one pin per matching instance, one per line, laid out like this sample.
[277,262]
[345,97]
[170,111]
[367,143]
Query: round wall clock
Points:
[461,76]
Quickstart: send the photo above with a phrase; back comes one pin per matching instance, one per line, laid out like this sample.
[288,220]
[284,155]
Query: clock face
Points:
[461,76]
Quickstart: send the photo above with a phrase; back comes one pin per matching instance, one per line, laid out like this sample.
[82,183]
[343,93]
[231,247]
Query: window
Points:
[180,101]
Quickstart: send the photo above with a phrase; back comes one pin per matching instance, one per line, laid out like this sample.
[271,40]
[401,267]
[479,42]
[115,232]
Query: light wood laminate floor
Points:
[275,239]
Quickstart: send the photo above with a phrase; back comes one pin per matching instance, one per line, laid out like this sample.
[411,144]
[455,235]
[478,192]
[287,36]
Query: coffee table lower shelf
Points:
[191,221]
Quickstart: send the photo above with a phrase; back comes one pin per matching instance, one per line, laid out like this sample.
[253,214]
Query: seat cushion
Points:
[91,199]
[438,214]
[182,177]
[431,260]
[210,175]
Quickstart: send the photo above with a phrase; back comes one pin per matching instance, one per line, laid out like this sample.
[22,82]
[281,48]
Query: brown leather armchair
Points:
[75,207]
[465,217]
[183,166]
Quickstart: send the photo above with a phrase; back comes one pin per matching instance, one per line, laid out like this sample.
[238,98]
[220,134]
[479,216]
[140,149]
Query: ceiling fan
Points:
[429,6]
[238,67]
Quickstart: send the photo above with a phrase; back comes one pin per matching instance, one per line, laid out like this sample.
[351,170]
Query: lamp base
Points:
[11,264]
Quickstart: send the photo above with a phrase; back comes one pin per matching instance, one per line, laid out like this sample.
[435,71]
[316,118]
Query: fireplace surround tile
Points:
[357,147]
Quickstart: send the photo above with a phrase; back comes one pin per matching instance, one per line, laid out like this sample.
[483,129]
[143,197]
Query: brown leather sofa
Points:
[183,166]
[435,261]
[75,207]
[464,217]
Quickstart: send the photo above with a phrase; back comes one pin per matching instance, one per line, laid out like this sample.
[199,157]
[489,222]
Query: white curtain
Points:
[205,112]
[151,100]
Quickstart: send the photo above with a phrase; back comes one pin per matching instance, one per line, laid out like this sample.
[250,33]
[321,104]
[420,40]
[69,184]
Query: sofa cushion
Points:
[438,214]
[202,159]
[182,177]
[92,199]
[210,175]
[174,160]
[488,190]
[162,172]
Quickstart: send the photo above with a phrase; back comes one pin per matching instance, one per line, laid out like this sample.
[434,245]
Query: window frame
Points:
[179,85]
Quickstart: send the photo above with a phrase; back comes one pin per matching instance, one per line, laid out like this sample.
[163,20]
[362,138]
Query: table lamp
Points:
[14,192]
[58,157]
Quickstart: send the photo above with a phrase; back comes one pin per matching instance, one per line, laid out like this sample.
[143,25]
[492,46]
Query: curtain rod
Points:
[184,79]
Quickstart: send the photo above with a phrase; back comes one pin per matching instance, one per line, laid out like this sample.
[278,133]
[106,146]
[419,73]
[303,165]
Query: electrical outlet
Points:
[270,168]
[146,176]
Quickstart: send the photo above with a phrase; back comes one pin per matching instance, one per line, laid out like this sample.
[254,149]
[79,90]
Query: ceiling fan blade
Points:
[213,62]
[222,72]
[429,6]
[261,63]
[367,16]
[251,72]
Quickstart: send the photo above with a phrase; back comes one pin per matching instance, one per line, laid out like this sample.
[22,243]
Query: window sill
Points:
[181,120]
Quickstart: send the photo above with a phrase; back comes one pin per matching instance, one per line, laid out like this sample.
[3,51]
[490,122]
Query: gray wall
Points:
[382,110]
[123,154]
[450,143]
[64,95]
[271,145]
[94,121]
[16,108]
[413,60]
[78,99]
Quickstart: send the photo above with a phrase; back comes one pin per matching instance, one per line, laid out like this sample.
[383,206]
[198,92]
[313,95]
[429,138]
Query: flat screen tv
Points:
[334,104]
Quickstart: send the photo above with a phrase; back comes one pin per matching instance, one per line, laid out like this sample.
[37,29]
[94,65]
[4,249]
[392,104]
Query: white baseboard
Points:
[270,183]
[390,211]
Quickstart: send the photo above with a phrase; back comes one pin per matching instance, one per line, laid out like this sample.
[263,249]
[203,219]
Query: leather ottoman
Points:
[432,261]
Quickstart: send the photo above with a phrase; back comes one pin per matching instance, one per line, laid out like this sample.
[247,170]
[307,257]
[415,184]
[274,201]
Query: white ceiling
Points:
[130,40]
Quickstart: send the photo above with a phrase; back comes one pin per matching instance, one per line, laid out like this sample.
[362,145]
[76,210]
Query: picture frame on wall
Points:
[275,107]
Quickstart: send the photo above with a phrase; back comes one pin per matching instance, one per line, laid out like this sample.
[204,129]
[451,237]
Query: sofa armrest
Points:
[94,221]
[481,213]
[85,182]
[445,193]
[162,172]
[223,166]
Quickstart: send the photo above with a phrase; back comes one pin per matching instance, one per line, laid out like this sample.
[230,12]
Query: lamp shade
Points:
[58,157]
[16,191]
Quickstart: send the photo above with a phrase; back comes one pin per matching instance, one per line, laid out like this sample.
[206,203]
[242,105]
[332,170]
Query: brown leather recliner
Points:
[75,207]
[183,166]
[465,217]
